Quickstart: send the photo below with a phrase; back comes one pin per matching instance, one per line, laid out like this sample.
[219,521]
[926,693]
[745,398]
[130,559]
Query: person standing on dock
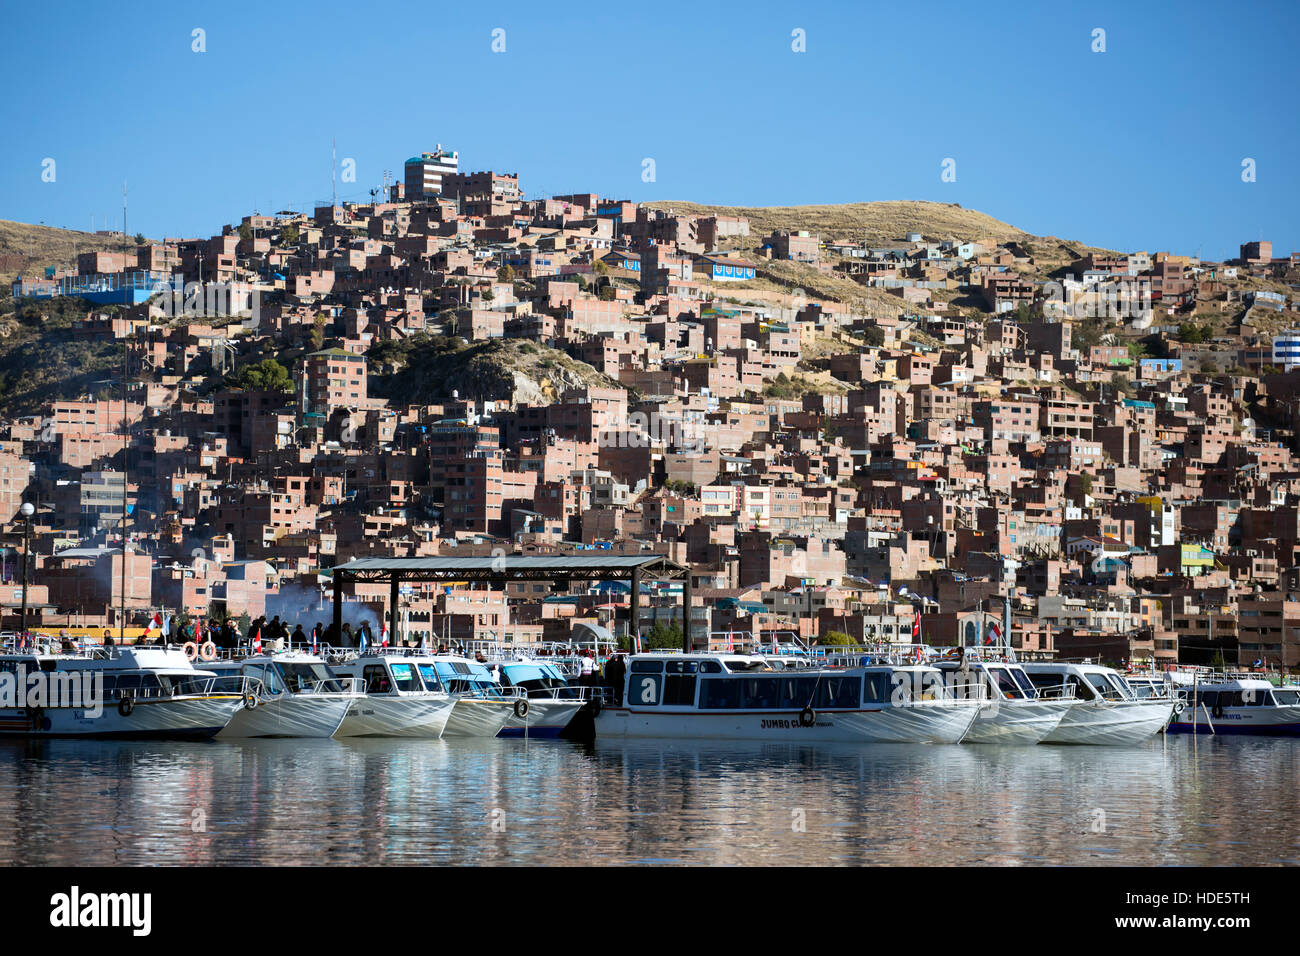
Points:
[615,672]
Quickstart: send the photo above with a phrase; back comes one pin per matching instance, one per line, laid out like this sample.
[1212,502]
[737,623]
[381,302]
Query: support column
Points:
[687,643]
[636,608]
[338,607]
[394,593]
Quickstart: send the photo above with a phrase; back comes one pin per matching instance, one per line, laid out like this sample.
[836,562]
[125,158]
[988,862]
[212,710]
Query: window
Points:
[376,679]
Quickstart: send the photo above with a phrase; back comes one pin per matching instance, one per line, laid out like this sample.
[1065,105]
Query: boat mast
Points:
[126,436]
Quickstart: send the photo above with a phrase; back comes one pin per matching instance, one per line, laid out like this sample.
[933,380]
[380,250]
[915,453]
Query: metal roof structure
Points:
[512,567]
[503,567]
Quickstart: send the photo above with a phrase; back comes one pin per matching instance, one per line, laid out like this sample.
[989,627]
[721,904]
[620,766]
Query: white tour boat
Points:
[1239,706]
[299,696]
[143,692]
[740,697]
[553,702]
[1016,712]
[1105,709]
[483,706]
[396,701]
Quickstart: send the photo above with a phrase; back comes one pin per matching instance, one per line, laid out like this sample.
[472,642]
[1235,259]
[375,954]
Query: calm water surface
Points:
[359,802]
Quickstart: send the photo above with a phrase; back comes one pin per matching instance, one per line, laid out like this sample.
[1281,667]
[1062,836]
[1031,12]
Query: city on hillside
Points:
[847,437]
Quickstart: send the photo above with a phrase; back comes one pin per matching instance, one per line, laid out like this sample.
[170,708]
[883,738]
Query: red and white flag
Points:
[916,628]
[257,641]
[995,631]
[383,635]
[156,623]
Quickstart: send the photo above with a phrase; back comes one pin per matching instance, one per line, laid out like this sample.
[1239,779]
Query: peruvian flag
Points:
[916,628]
[257,641]
[156,623]
[383,636]
[996,632]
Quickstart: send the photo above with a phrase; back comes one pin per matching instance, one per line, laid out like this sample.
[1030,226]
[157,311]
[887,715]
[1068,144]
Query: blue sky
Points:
[1139,147]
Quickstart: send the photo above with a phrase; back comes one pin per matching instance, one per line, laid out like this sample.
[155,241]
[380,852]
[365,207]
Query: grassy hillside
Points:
[41,360]
[27,249]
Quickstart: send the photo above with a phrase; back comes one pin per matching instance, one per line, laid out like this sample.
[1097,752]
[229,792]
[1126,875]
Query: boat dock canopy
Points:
[501,568]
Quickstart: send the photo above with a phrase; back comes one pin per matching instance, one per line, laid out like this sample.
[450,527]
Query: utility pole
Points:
[126,435]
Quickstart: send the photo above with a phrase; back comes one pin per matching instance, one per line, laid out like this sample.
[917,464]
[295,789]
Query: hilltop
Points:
[28,249]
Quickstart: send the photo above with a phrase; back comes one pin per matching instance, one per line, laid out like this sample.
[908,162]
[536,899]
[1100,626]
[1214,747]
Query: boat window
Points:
[110,684]
[837,691]
[878,689]
[681,667]
[128,683]
[679,689]
[271,681]
[1257,697]
[405,678]
[1024,683]
[1104,687]
[719,694]
[645,689]
[797,692]
[376,678]
[647,667]
[760,693]
[710,667]
[1287,698]
[429,674]
[303,678]
[1005,684]
[1210,698]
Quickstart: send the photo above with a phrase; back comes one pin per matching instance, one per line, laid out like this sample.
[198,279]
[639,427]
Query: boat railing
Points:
[215,685]
[354,686]
[1056,692]
[582,692]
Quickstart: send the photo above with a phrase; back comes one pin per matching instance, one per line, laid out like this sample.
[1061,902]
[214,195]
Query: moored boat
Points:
[740,697]
[1240,706]
[396,702]
[298,696]
[1105,709]
[124,692]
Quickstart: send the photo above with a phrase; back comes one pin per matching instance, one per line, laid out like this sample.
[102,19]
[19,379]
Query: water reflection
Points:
[370,802]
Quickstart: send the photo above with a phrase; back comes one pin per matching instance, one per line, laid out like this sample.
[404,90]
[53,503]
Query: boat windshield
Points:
[1286,696]
[404,676]
[532,677]
[1108,687]
[430,677]
[463,677]
[308,677]
[1022,679]
[1005,684]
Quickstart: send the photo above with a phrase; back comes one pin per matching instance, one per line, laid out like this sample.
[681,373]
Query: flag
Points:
[916,628]
[995,633]
[155,623]
[383,635]
[315,649]
[256,642]
[167,624]
[361,640]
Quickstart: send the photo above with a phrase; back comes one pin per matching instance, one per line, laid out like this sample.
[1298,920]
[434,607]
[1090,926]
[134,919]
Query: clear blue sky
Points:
[1139,147]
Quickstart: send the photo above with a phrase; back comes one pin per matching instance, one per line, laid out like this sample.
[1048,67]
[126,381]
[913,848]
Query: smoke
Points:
[300,604]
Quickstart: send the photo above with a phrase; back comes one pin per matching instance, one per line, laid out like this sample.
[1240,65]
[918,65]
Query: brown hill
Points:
[27,249]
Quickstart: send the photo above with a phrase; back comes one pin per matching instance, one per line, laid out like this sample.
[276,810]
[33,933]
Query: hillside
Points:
[41,360]
[28,249]
[430,368]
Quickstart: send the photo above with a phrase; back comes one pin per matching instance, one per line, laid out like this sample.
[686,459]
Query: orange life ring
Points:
[208,651]
[191,650]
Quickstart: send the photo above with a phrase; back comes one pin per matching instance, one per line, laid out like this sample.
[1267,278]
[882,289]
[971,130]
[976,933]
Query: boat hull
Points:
[1278,721]
[186,718]
[424,717]
[1017,723]
[917,722]
[478,717]
[1115,723]
[546,718]
[302,715]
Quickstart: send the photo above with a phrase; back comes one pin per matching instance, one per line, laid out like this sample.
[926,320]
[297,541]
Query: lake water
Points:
[1173,801]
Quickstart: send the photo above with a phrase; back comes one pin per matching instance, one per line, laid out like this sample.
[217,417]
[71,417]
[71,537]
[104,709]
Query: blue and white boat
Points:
[553,701]
[1240,706]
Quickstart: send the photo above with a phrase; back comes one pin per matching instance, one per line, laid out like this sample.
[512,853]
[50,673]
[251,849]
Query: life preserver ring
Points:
[1179,708]
[1217,709]
[251,701]
[208,651]
[126,705]
[191,650]
[521,708]
[807,717]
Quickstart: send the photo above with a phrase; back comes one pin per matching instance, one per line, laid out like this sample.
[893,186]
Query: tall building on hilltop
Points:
[424,172]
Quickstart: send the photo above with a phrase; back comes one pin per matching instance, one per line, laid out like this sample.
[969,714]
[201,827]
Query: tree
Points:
[245,231]
[600,268]
[838,639]
[140,240]
[267,375]
[506,274]
[874,336]
[664,636]
[318,332]
[289,235]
